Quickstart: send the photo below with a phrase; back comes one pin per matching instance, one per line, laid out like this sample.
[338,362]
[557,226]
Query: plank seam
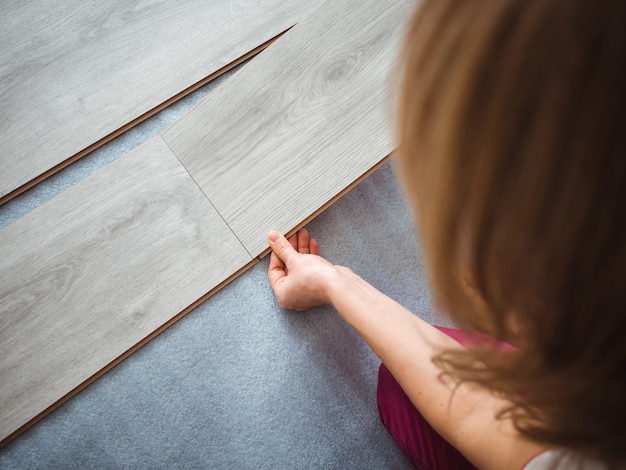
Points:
[207,197]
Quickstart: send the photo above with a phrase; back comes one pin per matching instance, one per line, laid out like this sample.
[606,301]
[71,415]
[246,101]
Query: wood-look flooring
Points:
[97,269]
[300,123]
[74,72]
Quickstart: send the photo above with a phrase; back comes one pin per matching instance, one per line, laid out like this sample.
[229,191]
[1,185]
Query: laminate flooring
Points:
[94,271]
[73,73]
[300,123]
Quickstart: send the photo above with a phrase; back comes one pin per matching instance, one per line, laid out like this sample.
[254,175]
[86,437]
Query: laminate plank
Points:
[73,72]
[94,271]
[301,122]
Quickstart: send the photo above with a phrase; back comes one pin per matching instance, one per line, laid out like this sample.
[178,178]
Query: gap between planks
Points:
[55,169]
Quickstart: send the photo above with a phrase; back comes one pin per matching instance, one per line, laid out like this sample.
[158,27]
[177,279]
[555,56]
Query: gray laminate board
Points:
[301,122]
[73,72]
[97,269]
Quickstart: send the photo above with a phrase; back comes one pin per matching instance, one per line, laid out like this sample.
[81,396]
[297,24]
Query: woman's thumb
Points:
[281,246]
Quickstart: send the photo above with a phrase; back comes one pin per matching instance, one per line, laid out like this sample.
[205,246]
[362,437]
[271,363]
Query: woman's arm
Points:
[465,415]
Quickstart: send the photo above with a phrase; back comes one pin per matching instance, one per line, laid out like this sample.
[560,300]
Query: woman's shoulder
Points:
[556,459]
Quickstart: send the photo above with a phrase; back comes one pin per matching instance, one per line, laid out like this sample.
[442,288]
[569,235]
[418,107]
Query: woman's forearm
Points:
[464,415]
[404,342]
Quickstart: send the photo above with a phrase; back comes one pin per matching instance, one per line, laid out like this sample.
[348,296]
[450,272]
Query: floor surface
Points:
[239,382]
[89,274]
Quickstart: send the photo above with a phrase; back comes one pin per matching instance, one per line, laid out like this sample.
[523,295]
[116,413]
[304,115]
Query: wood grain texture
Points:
[297,125]
[73,72]
[94,271]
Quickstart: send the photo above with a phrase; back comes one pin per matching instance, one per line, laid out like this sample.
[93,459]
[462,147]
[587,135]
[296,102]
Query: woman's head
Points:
[513,151]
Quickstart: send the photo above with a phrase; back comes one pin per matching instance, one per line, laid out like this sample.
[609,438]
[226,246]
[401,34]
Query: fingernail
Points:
[274,237]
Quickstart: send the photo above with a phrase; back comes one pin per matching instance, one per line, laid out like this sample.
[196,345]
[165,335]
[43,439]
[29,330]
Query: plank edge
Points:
[77,156]
[331,201]
[126,354]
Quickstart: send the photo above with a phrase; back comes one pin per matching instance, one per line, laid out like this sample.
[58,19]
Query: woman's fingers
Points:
[282,251]
[303,241]
[276,270]
[305,244]
[282,248]
[294,240]
[297,273]
[314,247]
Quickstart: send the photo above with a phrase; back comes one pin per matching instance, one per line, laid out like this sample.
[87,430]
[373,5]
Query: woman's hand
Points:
[298,276]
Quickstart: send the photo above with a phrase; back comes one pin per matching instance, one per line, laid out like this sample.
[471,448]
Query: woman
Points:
[512,150]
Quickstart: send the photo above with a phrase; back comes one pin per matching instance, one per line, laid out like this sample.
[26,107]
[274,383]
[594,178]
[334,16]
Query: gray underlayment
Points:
[240,383]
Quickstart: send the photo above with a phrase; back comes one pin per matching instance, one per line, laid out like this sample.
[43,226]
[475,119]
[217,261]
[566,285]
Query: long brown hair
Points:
[512,137]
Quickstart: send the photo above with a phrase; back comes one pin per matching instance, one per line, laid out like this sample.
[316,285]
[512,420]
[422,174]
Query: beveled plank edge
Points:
[128,352]
[55,169]
[331,202]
